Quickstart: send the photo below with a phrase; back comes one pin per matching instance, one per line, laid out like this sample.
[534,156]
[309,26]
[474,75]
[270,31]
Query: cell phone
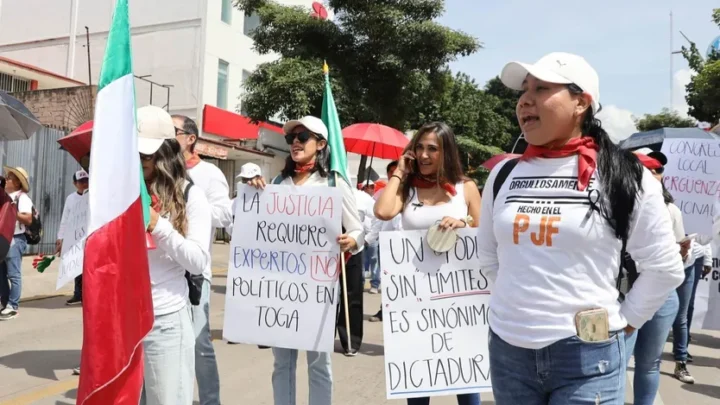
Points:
[593,325]
[690,237]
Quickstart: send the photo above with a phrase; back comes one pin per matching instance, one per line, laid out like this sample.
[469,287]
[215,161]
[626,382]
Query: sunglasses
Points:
[302,137]
[146,158]
[659,170]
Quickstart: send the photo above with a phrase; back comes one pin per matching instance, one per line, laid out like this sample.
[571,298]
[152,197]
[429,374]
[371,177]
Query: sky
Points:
[627,42]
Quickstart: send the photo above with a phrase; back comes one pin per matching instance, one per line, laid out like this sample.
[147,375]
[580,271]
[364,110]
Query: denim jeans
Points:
[11,273]
[319,377]
[206,371]
[680,326]
[463,399]
[569,371]
[691,307]
[78,287]
[370,260]
[647,343]
[170,360]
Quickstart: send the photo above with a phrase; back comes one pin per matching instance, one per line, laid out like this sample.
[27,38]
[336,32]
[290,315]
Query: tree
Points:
[388,59]
[703,89]
[666,119]
[507,101]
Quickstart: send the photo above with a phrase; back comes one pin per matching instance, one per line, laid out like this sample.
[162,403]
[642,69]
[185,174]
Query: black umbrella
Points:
[17,123]
[654,139]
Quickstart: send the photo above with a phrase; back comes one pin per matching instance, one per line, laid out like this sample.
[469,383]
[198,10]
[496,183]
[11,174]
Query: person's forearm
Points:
[386,201]
[25,219]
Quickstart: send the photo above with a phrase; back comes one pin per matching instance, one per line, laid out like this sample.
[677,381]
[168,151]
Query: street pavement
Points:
[39,349]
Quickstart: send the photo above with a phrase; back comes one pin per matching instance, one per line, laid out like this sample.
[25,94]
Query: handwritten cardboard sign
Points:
[692,176]
[435,317]
[282,285]
[707,297]
[73,248]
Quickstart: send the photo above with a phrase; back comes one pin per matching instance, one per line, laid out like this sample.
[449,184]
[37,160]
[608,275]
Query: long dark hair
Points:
[666,194]
[620,174]
[322,163]
[450,169]
[168,183]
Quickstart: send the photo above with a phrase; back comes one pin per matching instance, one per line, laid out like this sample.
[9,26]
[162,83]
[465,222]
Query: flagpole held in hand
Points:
[345,293]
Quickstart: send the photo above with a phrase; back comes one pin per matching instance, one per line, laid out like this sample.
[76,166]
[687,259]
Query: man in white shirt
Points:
[17,186]
[80,181]
[366,205]
[248,171]
[211,180]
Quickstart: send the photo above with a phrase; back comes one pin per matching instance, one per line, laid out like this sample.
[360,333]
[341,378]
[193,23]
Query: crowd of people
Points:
[611,215]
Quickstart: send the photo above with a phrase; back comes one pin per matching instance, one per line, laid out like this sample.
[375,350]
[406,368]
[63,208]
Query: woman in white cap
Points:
[308,166]
[552,228]
[17,186]
[180,225]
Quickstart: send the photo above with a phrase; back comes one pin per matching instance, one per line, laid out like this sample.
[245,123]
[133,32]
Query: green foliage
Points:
[704,88]
[665,119]
[506,108]
[388,63]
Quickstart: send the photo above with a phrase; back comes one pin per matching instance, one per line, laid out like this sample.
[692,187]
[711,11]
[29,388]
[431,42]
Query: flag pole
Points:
[345,294]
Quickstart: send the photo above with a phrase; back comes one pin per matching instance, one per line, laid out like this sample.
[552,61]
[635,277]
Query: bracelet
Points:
[398,177]
[468,220]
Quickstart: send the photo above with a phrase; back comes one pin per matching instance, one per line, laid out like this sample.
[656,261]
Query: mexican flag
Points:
[338,156]
[117,301]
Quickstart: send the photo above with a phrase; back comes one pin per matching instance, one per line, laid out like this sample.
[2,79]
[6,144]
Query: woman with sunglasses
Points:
[180,229]
[551,250]
[429,187]
[308,166]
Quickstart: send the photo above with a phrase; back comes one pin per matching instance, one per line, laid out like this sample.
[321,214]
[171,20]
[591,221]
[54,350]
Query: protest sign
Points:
[692,176]
[706,314]
[73,247]
[435,316]
[282,288]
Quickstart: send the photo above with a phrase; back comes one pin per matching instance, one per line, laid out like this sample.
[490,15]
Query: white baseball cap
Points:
[154,127]
[313,124]
[81,175]
[556,67]
[249,171]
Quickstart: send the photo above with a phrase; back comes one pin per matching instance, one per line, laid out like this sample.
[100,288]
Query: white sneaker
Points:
[8,313]
[373,290]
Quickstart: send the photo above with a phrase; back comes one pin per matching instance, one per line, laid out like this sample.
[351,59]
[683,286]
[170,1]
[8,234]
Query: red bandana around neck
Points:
[584,147]
[421,182]
[193,161]
[306,168]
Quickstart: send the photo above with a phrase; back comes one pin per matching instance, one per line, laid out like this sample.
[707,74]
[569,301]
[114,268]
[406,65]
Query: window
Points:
[226,13]
[250,22]
[12,84]
[245,76]
[222,84]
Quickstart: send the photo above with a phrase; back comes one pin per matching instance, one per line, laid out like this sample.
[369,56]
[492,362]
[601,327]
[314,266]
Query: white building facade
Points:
[197,51]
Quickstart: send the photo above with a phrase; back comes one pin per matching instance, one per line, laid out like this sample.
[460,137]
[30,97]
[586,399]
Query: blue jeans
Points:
[647,344]
[680,326]
[691,307]
[169,360]
[11,273]
[569,371]
[371,262]
[206,370]
[319,377]
[463,399]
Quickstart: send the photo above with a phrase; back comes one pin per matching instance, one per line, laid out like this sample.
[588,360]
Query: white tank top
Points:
[416,216]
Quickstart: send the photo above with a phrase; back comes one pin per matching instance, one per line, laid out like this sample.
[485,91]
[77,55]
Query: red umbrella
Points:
[375,140]
[77,143]
[493,161]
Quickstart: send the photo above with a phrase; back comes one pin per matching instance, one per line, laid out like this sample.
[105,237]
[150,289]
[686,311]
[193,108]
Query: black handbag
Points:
[195,282]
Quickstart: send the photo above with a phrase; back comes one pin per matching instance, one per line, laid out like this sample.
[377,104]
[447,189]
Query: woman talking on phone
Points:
[553,225]
[308,166]
[429,187]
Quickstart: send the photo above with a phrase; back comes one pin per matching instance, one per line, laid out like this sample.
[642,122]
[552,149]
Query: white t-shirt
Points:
[176,253]
[211,180]
[365,205]
[549,256]
[415,215]
[24,206]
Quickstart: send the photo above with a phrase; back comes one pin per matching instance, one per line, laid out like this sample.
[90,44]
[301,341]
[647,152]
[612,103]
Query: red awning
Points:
[230,125]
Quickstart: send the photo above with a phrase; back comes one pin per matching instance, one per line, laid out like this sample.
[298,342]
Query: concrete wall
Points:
[61,108]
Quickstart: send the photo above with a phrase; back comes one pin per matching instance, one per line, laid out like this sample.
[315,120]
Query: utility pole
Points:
[72,41]
[87,39]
